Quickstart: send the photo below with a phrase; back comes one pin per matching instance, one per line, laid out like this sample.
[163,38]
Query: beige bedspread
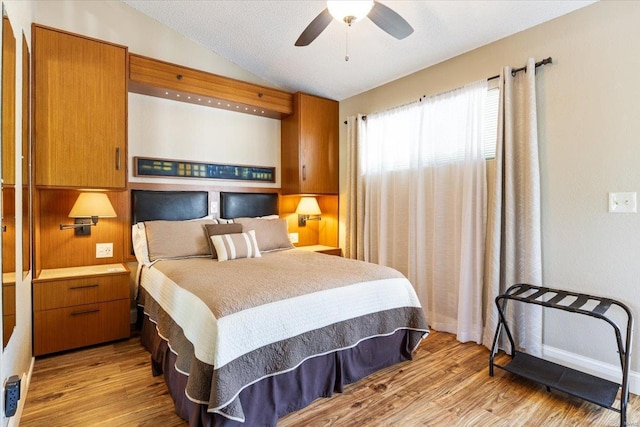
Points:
[247,319]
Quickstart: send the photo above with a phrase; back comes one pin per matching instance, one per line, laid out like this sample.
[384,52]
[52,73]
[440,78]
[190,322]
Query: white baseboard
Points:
[24,388]
[591,366]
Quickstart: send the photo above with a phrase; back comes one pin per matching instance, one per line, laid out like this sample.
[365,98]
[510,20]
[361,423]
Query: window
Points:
[490,135]
[433,132]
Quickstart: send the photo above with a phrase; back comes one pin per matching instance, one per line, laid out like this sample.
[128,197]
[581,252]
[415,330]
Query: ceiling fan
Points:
[353,11]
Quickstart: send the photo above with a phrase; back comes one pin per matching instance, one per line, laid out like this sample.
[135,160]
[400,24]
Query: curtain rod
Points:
[545,61]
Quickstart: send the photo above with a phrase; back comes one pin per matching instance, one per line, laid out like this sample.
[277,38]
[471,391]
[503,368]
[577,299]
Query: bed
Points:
[263,329]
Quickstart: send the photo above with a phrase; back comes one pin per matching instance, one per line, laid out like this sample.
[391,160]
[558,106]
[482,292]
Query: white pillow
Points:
[236,246]
[139,239]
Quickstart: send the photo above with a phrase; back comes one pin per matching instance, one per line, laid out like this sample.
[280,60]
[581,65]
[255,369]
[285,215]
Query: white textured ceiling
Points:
[259,36]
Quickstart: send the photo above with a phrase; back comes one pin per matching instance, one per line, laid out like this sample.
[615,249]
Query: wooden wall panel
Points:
[323,232]
[62,248]
[328,227]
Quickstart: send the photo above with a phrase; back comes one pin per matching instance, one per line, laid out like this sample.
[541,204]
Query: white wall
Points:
[116,22]
[162,128]
[588,125]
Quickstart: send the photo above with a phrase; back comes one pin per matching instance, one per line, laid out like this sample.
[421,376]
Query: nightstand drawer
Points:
[72,292]
[73,327]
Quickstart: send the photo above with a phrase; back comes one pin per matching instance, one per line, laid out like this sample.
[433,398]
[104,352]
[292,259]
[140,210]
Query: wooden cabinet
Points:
[152,77]
[80,306]
[80,111]
[309,150]
[329,250]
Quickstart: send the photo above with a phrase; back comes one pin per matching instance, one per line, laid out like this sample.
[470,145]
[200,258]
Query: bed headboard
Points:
[236,205]
[149,205]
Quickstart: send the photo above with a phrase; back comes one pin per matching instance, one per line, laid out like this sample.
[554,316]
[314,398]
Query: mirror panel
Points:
[8,180]
[26,159]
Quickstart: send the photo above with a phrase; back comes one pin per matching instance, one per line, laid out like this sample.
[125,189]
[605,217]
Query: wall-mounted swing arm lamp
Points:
[86,211]
[306,207]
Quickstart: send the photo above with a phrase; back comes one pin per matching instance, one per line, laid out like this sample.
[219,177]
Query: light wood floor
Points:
[447,384]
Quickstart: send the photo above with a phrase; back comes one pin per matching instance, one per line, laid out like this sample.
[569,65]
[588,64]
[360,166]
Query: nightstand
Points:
[329,250]
[79,306]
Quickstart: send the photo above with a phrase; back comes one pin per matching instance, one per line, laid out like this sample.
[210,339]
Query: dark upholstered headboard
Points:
[148,205]
[236,205]
[168,205]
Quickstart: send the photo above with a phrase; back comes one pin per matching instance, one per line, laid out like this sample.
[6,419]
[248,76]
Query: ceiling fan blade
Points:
[314,29]
[389,21]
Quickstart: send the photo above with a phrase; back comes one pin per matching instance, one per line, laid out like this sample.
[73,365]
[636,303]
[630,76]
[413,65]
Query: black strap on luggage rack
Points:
[582,385]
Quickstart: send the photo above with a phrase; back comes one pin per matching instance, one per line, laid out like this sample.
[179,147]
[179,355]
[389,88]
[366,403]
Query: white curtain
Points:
[355,195]
[418,173]
[514,248]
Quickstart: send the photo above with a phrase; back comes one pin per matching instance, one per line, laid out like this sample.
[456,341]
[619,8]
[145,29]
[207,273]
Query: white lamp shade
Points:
[357,9]
[308,206]
[92,204]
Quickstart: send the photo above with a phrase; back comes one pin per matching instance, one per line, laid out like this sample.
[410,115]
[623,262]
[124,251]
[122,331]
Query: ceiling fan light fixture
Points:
[349,11]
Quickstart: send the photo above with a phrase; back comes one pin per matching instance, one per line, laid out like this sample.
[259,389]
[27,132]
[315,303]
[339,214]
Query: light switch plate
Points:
[294,237]
[623,202]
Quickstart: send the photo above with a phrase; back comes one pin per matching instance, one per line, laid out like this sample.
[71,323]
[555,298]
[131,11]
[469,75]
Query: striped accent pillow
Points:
[236,246]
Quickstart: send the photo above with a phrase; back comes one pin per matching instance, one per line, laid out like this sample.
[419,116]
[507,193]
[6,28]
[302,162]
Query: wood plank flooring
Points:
[447,384]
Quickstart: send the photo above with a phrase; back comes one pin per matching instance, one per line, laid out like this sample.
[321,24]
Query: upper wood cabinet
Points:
[80,111]
[309,148]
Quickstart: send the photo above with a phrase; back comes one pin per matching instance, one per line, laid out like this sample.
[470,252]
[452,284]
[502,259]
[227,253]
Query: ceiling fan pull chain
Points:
[346,53]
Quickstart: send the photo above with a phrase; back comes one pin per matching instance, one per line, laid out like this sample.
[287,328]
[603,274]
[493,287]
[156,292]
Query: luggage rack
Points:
[576,383]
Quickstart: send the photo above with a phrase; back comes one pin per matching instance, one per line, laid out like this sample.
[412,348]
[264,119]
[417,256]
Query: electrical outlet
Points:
[104,250]
[11,395]
[623,202]
[294,237]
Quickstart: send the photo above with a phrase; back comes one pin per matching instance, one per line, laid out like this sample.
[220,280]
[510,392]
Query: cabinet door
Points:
[80,111]
[318,145]
[310,147]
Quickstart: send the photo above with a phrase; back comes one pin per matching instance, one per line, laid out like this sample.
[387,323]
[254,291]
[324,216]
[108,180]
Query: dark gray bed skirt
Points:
[268,399]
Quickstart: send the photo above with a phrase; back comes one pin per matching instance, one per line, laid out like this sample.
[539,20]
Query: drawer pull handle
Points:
[304,172]
[77,313]
[84,286]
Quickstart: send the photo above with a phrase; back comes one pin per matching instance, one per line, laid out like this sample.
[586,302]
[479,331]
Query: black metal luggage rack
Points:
[576,383]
